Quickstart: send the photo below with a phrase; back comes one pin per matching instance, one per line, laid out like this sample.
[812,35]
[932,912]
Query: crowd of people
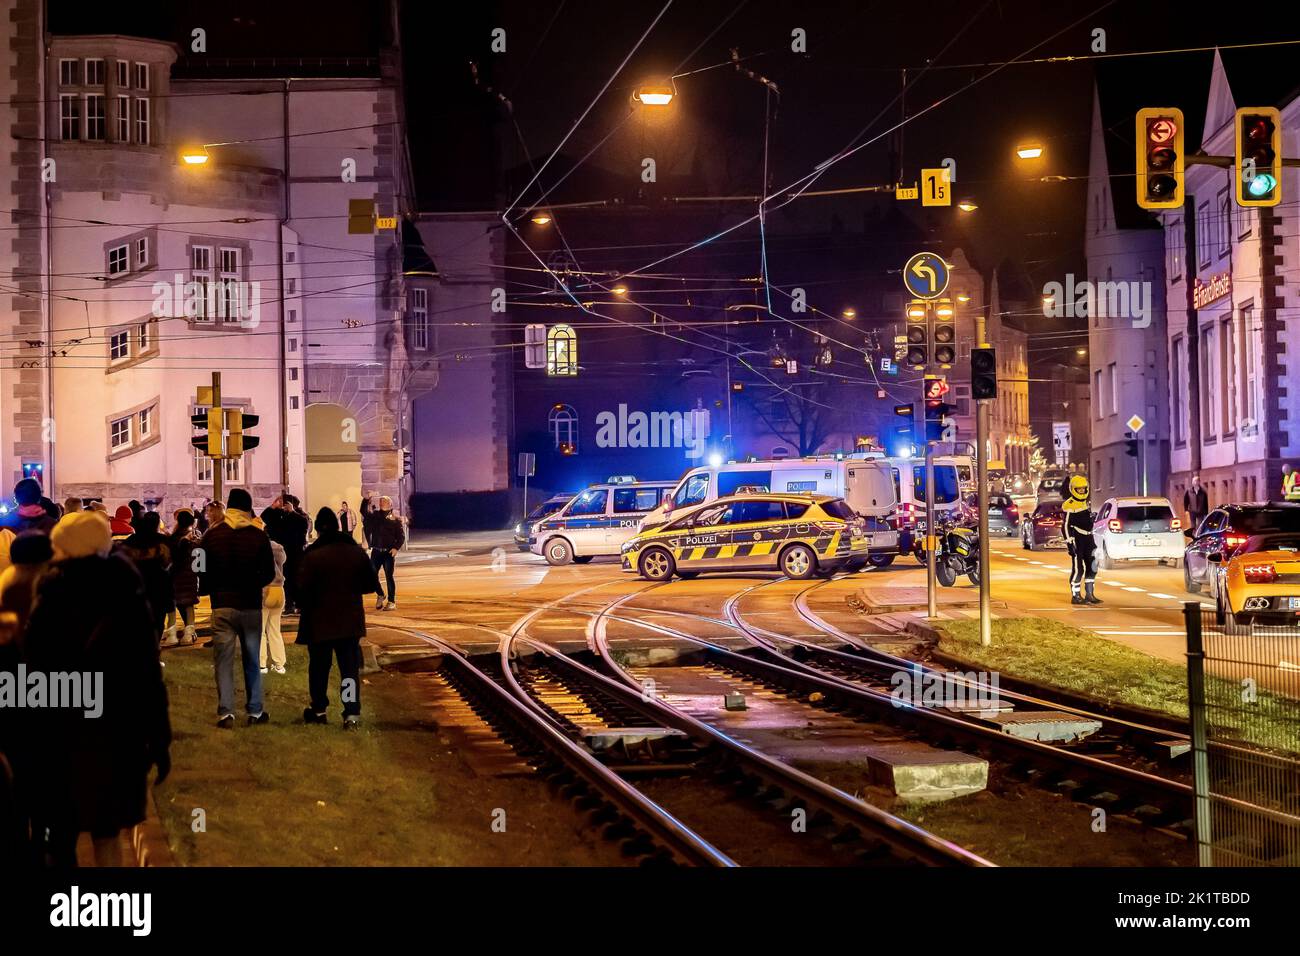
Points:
[83,592]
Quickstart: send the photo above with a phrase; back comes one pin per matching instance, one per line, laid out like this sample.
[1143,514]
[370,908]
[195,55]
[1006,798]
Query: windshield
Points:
[1267,519]
[547,508]
[692,491]
[1273,542]
[590,502]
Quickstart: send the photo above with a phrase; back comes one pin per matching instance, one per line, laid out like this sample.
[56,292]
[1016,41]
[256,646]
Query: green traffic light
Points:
[1262,185]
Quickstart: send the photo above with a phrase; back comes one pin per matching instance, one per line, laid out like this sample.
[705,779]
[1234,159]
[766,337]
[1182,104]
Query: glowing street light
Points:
[967,205]
[654,94]
[850,314]
[1029,150]
[541,219]
[963,297]
[194,156]
[619,289]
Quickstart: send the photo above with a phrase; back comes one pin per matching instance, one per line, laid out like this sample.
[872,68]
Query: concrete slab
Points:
[602,738]
[1052,726]
[919,773]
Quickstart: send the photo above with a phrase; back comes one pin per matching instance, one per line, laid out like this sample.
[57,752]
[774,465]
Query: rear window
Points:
[1000,501]
[1048,510]
[793,510]
[1145,517]
[1267,519]
[946,487]
[635,499]
[1273,542]
[839,508]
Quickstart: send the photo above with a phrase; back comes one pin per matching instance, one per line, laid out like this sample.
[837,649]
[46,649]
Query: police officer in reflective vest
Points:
[1290,483]
[1077,527]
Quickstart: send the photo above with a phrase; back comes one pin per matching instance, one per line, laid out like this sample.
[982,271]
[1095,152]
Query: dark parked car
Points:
[1042,529]
[1004,515]
[1224,531]
[544,510]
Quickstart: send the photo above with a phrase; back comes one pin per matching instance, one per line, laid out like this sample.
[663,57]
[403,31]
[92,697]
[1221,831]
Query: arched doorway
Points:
[333,460]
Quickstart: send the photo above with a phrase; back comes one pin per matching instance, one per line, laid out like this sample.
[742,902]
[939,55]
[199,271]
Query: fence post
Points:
[1196,712]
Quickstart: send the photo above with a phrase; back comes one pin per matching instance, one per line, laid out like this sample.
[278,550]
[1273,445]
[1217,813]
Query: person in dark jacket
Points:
[90,760]
[385,535]
[236,565]
[31,514]
[185,582]
[333,579]
[151,553]
[288,526]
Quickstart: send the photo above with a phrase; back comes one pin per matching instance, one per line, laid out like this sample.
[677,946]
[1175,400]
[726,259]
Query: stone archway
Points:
[333,460]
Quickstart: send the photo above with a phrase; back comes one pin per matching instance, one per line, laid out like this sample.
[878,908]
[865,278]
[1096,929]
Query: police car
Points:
[596,521]
[798,535]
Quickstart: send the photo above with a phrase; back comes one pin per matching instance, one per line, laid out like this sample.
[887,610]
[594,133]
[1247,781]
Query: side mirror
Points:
[1215,558]
[1189,534]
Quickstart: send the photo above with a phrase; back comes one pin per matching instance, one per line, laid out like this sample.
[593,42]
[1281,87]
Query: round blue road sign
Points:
[926,275]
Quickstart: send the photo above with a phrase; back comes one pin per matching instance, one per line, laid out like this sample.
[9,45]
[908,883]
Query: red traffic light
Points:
[935,389]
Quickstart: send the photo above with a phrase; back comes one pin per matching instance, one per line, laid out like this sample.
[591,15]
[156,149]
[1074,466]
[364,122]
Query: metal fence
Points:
[1243,684]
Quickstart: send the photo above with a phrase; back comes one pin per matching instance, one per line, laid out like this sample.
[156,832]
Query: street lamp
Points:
[654,94]
[1029,150]
[194,156]
[967,205]
[619,289]
[850,314]
[541,219]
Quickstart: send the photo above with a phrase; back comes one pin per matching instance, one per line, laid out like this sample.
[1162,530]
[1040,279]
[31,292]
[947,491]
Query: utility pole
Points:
[218,466]
[982,477]
[931,539]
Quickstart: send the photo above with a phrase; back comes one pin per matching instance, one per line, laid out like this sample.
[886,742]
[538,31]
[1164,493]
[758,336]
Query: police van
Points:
[864,482]
[908,476]
[596,521]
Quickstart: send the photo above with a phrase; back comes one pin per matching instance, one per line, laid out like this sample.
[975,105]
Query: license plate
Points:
[995,511]
[1148,543]
[1293,603]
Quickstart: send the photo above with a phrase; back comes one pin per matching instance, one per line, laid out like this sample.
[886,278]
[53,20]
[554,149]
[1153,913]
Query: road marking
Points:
[1129,587]
[1167,597]
[1114,584]
[1039,563]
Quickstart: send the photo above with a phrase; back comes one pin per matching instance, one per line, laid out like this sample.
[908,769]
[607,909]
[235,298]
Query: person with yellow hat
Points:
[1077,529]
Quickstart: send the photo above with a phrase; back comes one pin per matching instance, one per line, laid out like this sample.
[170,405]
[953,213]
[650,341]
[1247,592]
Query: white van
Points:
[908,476]
[865,483]
[597,521]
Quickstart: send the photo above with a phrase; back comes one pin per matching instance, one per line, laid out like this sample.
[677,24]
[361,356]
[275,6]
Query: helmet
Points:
[1079,487]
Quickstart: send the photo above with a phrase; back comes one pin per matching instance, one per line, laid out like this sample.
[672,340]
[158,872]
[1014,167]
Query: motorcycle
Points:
[958,554]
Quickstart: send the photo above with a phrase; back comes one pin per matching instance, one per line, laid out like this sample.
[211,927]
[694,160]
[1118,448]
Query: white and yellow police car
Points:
[798,535]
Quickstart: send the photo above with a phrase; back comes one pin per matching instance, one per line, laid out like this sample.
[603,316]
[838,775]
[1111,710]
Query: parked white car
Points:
[1138,529]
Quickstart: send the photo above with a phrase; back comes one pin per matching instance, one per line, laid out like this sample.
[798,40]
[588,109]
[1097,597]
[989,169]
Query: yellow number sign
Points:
[935,188]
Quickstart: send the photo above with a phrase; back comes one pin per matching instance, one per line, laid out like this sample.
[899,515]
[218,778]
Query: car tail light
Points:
[1260,573]
[1114,524]
[1012,511]
[1176,525]
[1234,541]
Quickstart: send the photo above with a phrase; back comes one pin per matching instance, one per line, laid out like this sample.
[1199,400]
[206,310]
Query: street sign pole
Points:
[217,466]
[931,539]
[982,476]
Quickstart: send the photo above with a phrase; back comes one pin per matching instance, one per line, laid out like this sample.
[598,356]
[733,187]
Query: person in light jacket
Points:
[272,611]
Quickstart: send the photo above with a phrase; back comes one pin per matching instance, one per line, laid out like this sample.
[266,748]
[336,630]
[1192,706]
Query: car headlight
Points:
[519,529]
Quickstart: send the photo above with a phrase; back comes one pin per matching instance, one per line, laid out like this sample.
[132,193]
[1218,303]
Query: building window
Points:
[123,119]
[1113,374]
[1207,383]
[70,116]
[1225,224]
[228,285]
[142,76]
[142,252]
[962,393]
[293,345]
[1228,372]
[1178,358]
[143,338]
[561,350]
[69,73]
[1204,237]
[420,318]
[95,116]
[119,346]
[142,121]
[201,277]
[119,434]
[123,75]
[1173,247]
[117,260]
[563,425]
[1099,406]
[144,423]
[94,72]
[293,401]
[1249,365]
[293,374]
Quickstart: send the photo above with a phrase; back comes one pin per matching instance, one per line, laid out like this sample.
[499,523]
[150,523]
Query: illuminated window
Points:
[561,351]
[563,425]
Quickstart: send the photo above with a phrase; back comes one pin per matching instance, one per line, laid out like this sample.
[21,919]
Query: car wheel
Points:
[582,558]
[656,564]
[945,574]
[557,552]
[798,562]
[1190,586]
[1103,560]
[880,560]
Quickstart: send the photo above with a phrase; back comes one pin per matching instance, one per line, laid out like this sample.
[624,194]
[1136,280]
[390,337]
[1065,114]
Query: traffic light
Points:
[1130,445]
[905,428]
[983,373]
[233,422]
[236,441]
[1160,158]
[918,335]
[945,334]
[1259,156]
[936,409]
[211,423]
